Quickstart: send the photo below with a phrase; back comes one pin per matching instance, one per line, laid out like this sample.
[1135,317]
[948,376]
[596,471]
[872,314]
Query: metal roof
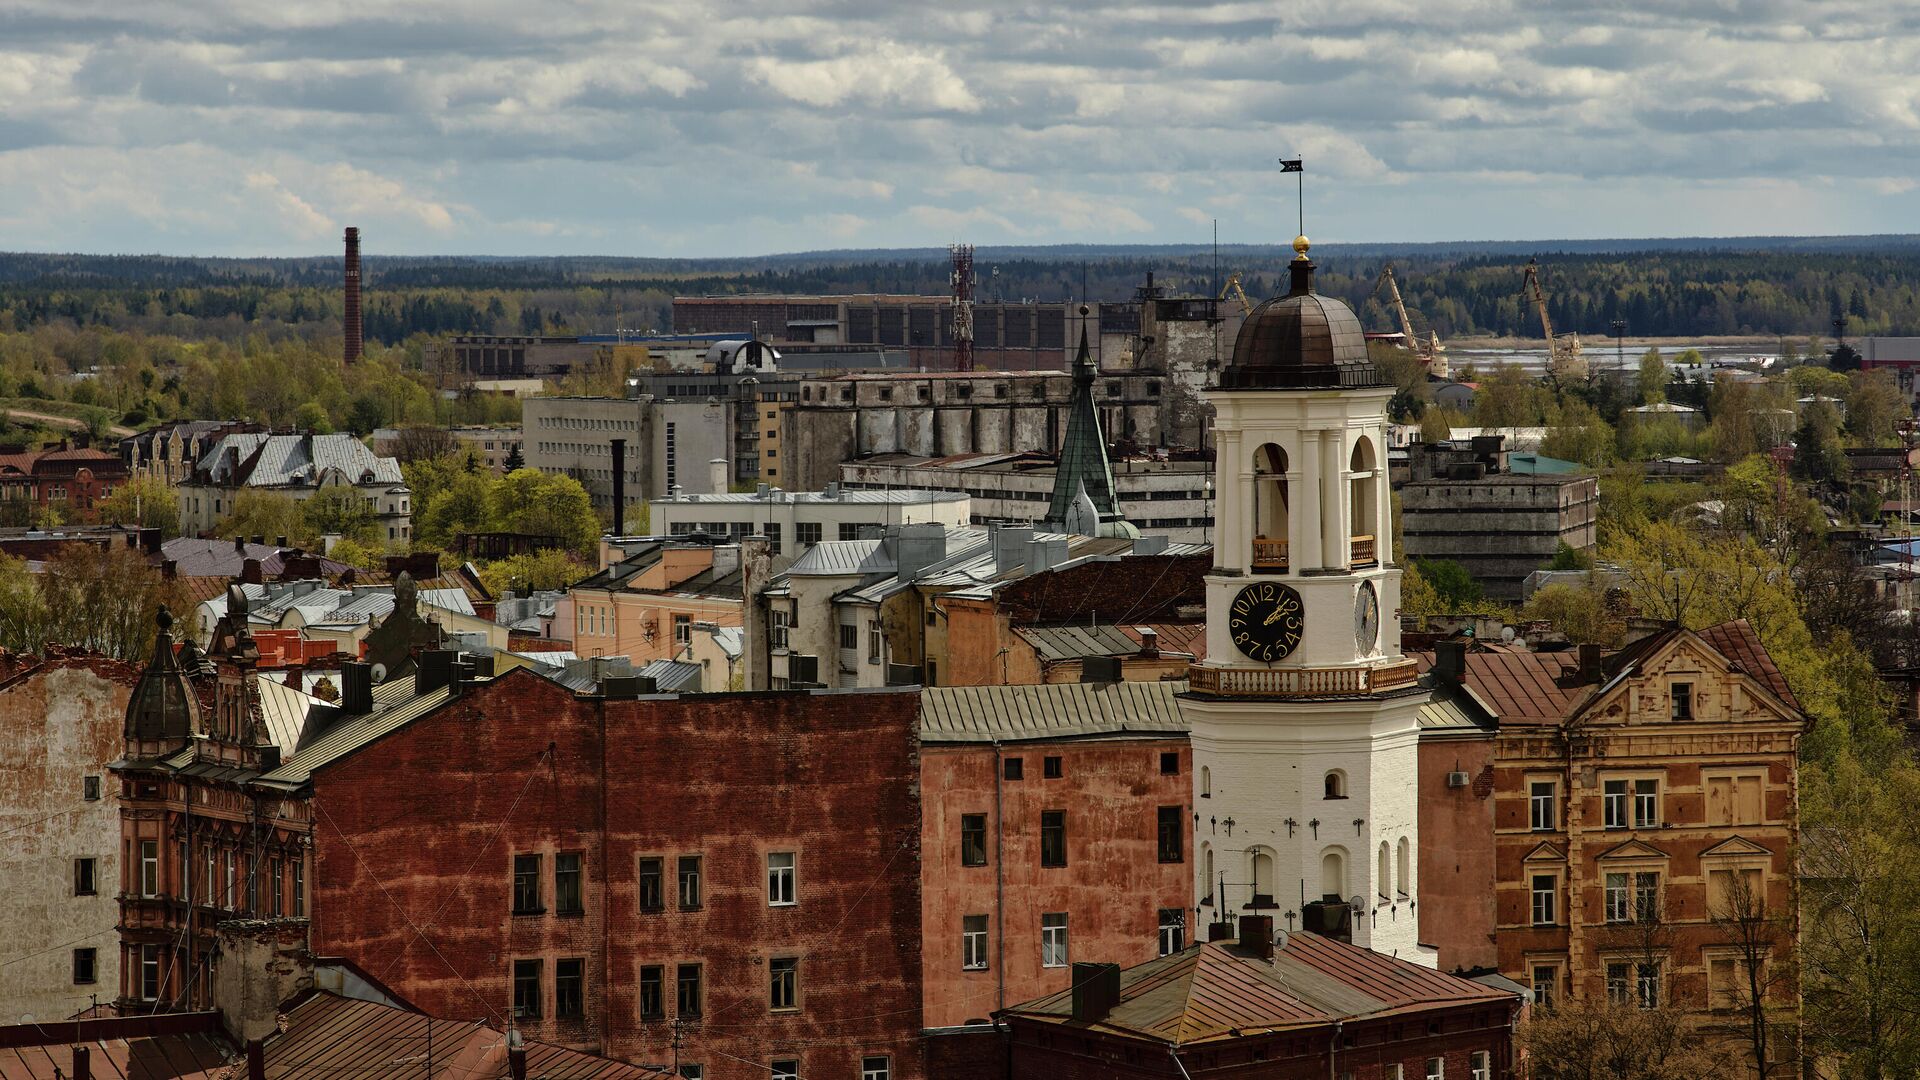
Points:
[173,1053]
[396,706]
[1073,642]
[285,711]
[266,460]
[670,676]
[971,714]
[835,558]
[1220,991]
[858,496]
[1442,713]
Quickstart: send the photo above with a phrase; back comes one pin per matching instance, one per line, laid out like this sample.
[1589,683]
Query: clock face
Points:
[1366,619]
[1265,621]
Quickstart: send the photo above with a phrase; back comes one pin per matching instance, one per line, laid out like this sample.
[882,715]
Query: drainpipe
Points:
[1178,1064]
[1333,1051]
[999,881]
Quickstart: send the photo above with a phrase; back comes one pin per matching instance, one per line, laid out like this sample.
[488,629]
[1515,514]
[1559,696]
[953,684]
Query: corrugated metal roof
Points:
[285,711]
[965,714]
[1443,713]
[182,1056]
[1073,642]
[1216,990]
[834,558]
[670,676]
[399,707]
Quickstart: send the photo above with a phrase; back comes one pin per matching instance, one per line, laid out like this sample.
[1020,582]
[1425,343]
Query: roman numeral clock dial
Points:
[1265,621]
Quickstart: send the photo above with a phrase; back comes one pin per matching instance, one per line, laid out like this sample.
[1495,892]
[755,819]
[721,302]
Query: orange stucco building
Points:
[646,604]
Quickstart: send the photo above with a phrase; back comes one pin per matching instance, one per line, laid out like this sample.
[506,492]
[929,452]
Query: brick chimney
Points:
[1449,660]
[352,315]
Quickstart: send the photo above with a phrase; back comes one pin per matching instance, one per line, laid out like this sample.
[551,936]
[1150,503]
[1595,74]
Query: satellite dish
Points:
[1279,940]
[1358,905]
[1506,633]
[379,673]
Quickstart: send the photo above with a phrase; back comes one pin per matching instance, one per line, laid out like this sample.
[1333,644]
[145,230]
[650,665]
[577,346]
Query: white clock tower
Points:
[1305,714]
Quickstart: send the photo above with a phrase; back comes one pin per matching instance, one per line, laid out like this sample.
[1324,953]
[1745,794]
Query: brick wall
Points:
[417,833]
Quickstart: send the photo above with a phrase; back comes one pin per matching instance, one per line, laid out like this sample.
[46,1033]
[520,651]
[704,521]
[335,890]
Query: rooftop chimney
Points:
[517,1061]
[1010,547]
[433,670]
[1590,657]
[1449,660]
[356,688]
[82,1063]
[717,478]
[256,1060]
[1256,935]
[351,321]
[1096,990]
[619,453]
[920,546]
[251,573]
[1149,641]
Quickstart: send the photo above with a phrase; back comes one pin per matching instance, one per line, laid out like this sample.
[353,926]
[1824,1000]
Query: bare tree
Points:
[1757,942]
[1606,1040]
[416,442]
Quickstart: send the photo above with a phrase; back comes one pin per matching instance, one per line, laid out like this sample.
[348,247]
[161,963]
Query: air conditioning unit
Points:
[1456,779]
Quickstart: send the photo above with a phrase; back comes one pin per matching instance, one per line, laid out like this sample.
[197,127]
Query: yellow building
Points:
[646,606]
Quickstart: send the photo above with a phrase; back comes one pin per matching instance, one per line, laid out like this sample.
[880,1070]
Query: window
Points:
[687,990]
[777,629]
[1170,763]
[1616,898]
[83,880]
[1051,768]
[1546,892]
[1015,768]
[652,1004]
[806,533]
[1053,838]
[1546,985]
[1480,1064]
[1646,804]
[1736,800]
[1647,985]
[849,637]
[1634,803]
[1682,701]
[569,988]
[973,839]
[1543,811]
[1335,785]
[876,642]
[973,942]
[274,876]
[652,894]
[526,885]
[1172,827]
[1646,896]
[780,879]
[1613,800]
[682,629]
[876,1068]
[785,1069]
[566,883]
[693,1072]
[149,972]
[1053,939]
[90,788]
[1206,782]
[149,868]
[783,983]
[86,964]
[689,882]
[526,989]
[1173,930]
[849,530]
[299,888]
[1436,1068]
[1736,892]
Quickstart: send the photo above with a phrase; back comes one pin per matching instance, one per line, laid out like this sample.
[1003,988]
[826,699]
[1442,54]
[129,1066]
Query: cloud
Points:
[697,127]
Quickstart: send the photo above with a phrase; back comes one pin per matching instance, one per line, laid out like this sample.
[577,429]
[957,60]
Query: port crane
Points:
[1234,289]
[1429,350]
[1563,352]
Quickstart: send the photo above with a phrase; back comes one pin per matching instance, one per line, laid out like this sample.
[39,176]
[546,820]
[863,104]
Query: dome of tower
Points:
[1300,341]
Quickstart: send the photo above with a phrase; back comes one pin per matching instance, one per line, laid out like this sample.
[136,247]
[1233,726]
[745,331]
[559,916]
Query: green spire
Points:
[1084,471]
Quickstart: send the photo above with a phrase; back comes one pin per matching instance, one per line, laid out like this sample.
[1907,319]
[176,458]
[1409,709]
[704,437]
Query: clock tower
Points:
[1305,713]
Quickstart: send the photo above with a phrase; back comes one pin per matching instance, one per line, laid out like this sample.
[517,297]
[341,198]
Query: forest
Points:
[1795,288]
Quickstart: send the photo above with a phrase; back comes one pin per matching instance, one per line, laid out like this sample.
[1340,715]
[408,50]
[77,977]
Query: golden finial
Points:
[1300,246]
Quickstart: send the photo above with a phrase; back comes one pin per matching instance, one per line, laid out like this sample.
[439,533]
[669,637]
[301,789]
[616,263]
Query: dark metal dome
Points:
[1300,341]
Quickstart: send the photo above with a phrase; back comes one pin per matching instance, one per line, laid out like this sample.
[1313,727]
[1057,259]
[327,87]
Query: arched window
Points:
[1270,509]
[1206,871]
[1263,873]
[1206,782]
[1336,785]
[1406,866]
[1361,502]
[1333,874]
[1384,884]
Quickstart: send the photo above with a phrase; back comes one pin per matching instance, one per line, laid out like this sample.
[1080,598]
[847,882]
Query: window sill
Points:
[571,913]
[783,903]
[529,911]
[684,907]
[1175,861]
[1054,967]
[973,967]
[654,909]
[785,1010]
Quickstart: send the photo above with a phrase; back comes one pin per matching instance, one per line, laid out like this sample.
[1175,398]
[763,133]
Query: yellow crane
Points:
[1429,351]
[1563,352]
[1233,289]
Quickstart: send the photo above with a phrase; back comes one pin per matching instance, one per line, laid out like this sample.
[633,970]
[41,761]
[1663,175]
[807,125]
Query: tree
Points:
[1578,434]
[534,503]
[1875,406]
[266,514]
[461,503]
[312,416]
[1437,424]
[515,460]
[1603,1040]
[1510,398]
[546,569]
[354,553]
[418,442]
[1819,454]
[1652,383]
[1581,612]
[340,511]
[1452,585]
[145,502]
[99,599]
[1758,944]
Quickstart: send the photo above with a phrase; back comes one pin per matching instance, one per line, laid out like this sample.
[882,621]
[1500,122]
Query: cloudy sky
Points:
[702,127]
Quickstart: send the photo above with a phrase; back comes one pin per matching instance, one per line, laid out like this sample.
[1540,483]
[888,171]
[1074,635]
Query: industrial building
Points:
[672,443]
[794,521]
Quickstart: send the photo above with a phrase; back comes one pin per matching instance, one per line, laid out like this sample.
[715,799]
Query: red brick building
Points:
[78,479]
[1056,826]
[729,878]
[1306,1008]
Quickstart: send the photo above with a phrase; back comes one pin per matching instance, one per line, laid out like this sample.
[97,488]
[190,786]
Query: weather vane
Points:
[1292,165]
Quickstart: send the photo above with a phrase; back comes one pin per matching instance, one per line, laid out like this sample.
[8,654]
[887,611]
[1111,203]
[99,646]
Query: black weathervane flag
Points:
[1291,165]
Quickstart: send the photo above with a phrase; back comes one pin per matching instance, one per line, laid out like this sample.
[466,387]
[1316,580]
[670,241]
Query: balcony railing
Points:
[1363,551]
[1269,554]
[1302,682]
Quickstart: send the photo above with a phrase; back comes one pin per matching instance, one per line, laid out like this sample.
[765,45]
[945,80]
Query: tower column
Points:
[1306,522]
[1333,514]
[1232,495]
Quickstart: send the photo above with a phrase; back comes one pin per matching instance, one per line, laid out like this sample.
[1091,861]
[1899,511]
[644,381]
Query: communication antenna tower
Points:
[964,280]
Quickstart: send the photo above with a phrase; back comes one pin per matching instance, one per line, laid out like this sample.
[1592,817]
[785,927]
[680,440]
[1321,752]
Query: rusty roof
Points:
[1218,990]
[1521,688]
[1738,642]
[169,1047]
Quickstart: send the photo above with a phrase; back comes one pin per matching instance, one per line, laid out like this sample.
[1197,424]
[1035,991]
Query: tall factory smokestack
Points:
[619,487]
[353,296]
